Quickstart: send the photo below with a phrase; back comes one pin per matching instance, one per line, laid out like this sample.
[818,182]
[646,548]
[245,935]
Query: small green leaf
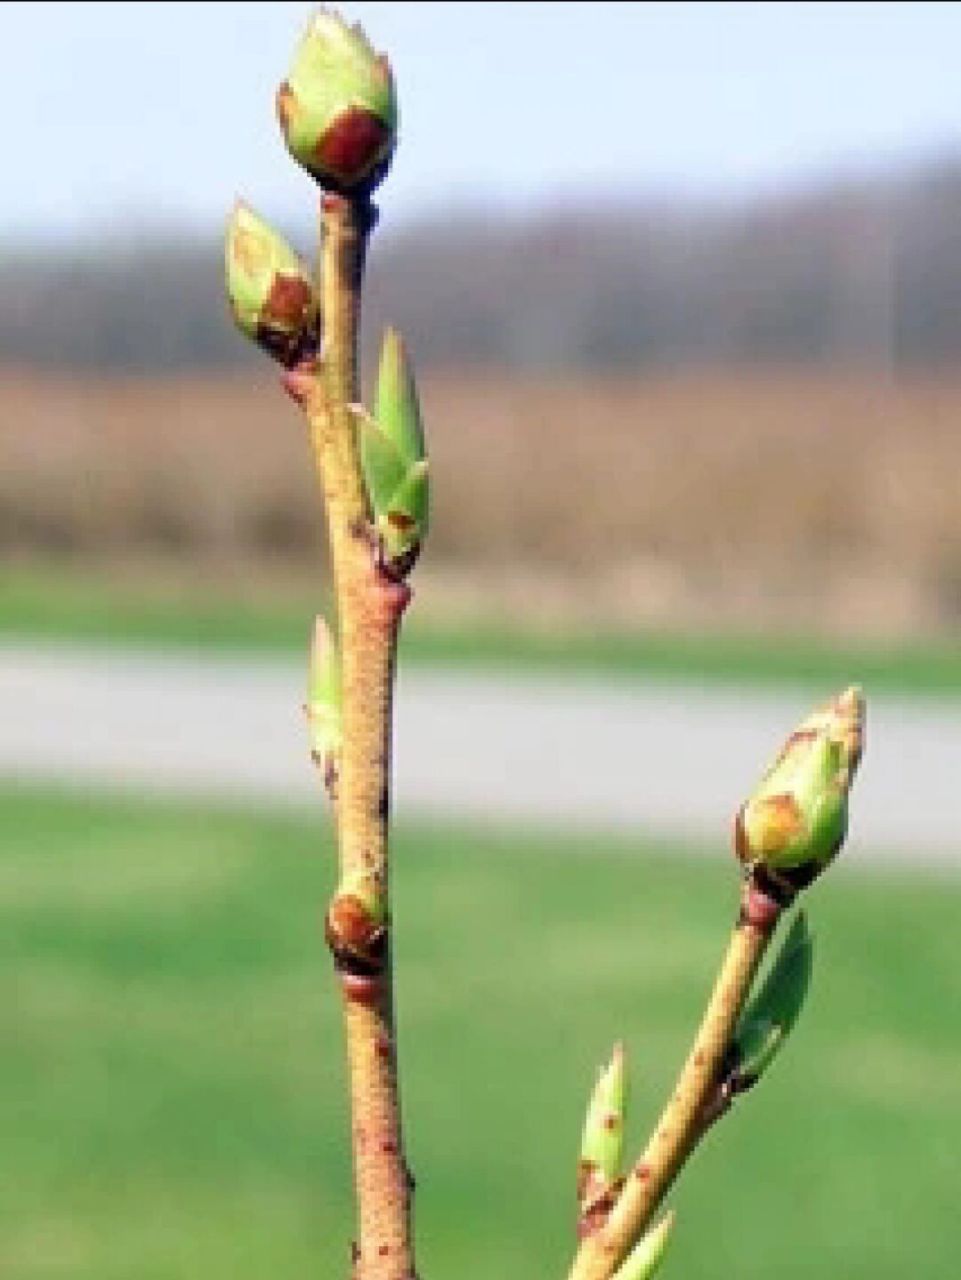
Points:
[323,706]
[398,407]
[404,522]
[768,1020]
[383,465]
[646,1256]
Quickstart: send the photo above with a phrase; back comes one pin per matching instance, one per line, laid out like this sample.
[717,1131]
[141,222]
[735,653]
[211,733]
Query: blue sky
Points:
[163,112]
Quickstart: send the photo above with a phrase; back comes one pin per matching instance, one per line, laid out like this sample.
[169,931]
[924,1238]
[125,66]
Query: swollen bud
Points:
[323,706]
[648,1254]
[269,290]
[337,107]
[770,1017]
[796,821]
[602,1142]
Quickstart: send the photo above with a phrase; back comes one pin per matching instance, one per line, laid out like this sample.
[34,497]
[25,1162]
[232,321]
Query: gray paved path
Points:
[558,750]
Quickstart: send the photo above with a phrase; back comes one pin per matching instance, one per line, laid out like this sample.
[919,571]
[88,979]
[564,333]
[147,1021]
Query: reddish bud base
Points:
[353,145]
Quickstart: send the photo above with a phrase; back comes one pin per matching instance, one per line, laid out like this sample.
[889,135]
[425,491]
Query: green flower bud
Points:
[269,290]
[768,1020]
[602,1142]
[323,706]
[796,821]
[337,107]
[648,1254]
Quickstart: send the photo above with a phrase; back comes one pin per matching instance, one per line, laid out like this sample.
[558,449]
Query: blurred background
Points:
[683,287]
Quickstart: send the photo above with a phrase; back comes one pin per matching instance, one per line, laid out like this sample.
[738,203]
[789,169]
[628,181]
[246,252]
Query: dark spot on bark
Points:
[383,1250]
[596,1211]
[611,1121]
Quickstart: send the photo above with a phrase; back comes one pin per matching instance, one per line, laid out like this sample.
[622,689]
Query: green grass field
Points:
[171,1074]
[85,606]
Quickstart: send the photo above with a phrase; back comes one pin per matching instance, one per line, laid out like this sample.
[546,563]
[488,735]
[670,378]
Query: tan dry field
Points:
[832,502]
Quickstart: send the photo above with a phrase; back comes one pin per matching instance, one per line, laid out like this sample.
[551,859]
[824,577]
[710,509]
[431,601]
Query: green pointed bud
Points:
[770,1017]
[323,707]
[269,290]
[399,490]
[648,1254]
[337,107]
[397,407]
[796,821]
[602,1142]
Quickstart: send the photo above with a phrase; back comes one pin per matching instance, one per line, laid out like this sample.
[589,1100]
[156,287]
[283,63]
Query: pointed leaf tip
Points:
[323,707]
[397,408]
[648,1254]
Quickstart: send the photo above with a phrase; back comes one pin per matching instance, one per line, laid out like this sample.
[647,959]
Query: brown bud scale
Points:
[288,302]
[352,146]
[286,105]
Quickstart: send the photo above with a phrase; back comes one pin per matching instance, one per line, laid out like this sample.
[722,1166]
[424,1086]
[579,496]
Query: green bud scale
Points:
[337,106]
[796,821]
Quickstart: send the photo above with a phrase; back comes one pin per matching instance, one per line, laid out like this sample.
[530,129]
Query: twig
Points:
[370,604]
[680,1124]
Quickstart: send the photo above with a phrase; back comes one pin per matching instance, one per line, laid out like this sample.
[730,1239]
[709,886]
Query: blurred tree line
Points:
[858,271]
